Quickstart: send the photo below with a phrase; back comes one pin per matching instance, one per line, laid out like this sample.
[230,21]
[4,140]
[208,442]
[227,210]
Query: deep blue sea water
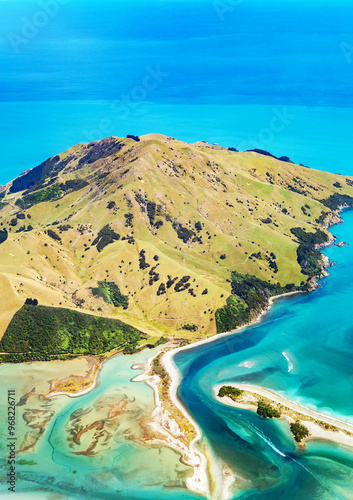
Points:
[215,70]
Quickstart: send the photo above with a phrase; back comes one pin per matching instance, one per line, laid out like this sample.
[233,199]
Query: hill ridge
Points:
[143,211]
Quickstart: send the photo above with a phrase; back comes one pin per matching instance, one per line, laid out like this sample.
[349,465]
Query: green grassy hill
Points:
[150,231]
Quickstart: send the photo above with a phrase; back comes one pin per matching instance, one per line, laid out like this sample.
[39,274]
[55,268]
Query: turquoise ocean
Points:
[273,75]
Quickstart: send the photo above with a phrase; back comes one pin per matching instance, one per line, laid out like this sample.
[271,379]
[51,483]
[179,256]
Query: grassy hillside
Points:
[162,223]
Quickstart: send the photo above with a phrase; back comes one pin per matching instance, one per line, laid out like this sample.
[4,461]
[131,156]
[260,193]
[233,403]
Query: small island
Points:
[305,424]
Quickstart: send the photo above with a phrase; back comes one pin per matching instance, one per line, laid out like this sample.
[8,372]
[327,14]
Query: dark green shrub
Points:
[183,233]
[190,328]
[162,340]
[308,257]
[253,294]
[231,392]
[53,235]
[337,200]
[299,431]
[105,237]
[48,194]
[182,284]
[267,411]
[111,294]
[142,260]
[3,235]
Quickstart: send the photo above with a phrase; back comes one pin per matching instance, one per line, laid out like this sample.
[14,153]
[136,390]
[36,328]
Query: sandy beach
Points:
[163,422]
[343,433]
[75,384]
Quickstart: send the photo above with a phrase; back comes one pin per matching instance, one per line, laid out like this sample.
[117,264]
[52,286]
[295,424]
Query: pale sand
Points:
[164,423]
[77,394]
[257,320]
[316,431]
[92,371]
[271,300]
[199,482]
[228,481]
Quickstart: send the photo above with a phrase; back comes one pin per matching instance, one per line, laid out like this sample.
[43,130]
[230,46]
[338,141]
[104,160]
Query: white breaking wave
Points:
[247,364]
[290,364]
[268,441]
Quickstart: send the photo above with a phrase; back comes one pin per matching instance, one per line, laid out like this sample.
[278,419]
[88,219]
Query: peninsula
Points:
[176,240]
[132,243]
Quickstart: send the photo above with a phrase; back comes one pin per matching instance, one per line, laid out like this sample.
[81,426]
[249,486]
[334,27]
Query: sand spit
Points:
[164,423]
[320,426]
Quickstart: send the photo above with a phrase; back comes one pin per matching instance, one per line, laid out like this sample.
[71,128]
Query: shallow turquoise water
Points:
[122,466]
[315,331]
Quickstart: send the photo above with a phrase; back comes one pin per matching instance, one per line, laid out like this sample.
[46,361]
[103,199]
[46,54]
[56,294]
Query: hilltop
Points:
[157,233]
